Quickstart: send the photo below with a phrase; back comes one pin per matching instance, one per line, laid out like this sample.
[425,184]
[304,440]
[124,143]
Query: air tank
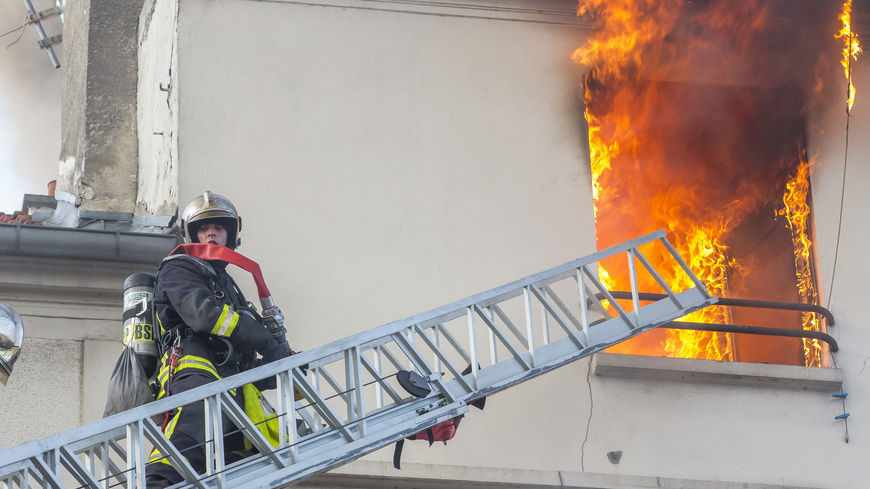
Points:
[139,328]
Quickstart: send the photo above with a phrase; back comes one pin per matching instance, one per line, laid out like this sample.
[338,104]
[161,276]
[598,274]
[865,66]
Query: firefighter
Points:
[11,337]
[207,331]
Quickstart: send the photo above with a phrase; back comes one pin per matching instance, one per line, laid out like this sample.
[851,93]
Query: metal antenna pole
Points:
[44,41]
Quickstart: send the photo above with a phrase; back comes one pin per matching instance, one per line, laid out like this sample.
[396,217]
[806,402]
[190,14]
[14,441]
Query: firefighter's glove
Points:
[273,319]
[251,335]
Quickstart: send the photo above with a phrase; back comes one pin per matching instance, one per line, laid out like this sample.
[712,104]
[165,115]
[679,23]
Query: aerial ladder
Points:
[355,395]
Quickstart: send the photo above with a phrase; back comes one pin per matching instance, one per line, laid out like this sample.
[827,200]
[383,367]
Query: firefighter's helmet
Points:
[11,337]
[213,208]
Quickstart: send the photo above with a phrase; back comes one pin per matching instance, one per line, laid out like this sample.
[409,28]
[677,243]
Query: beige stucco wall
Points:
[72,337]
[389,162]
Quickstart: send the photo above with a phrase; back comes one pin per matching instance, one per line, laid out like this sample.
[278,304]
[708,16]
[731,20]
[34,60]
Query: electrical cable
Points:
[845,168]
[21,28]
[589,419]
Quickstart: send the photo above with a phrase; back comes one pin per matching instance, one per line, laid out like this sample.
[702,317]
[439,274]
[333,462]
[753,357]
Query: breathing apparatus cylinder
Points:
[139,329]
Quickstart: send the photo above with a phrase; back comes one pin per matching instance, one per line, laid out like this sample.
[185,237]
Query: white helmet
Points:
[11,337]
[215,208]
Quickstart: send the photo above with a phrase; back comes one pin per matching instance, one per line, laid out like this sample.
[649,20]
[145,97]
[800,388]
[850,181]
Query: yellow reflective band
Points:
[197,363]
[170,428]
[187,361]
[226,323]
[156,456]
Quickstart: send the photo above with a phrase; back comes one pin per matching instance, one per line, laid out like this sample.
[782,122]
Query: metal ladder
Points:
[342,400]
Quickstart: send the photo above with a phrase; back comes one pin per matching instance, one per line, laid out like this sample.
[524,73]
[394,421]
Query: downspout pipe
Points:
[84,244]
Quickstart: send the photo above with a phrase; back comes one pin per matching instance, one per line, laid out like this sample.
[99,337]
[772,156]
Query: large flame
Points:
[796,209]
[658,72]
[851,50]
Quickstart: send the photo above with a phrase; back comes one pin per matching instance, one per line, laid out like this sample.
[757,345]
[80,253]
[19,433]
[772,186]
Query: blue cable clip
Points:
[842,416]
[841,395]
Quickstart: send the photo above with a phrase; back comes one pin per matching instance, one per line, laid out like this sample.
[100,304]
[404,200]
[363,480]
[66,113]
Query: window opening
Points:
[700,128]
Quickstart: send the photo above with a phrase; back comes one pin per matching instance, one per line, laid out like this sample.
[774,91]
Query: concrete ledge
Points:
[372,474]
[713,372]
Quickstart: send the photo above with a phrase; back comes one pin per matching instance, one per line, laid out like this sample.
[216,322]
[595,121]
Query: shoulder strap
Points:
[204,267]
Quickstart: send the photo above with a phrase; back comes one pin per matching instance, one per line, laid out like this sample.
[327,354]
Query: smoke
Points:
[721,42]
[30,107]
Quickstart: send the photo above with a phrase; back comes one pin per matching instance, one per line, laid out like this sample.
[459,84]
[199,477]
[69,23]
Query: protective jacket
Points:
[200,311]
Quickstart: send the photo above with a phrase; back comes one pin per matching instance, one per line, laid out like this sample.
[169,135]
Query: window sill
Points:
[713,372]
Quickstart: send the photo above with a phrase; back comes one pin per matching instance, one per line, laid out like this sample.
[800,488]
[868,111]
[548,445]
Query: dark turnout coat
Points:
[202,316]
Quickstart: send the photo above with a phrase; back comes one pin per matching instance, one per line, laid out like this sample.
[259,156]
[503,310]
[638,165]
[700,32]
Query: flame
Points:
[796,210]
[708,259]
[851,50]
[646,175]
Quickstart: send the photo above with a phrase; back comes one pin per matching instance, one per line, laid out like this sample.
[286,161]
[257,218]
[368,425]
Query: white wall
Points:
[389,163]
[386,163]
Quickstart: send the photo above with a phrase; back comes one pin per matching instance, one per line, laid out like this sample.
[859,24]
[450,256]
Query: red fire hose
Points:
[209,251]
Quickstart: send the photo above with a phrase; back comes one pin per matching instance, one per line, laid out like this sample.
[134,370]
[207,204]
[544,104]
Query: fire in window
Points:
[698,119]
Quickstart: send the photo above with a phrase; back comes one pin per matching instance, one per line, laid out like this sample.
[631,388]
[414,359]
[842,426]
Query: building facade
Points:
[391,157]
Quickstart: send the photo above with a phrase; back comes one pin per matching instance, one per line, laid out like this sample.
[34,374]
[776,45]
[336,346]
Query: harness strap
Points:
[397,453]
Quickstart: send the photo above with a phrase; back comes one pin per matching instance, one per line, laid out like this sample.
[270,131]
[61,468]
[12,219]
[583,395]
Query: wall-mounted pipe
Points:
[84,244]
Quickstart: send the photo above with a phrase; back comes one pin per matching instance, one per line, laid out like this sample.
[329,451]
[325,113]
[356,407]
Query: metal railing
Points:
[754,303]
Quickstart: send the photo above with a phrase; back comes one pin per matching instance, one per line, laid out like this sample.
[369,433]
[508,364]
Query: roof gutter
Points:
[84,244]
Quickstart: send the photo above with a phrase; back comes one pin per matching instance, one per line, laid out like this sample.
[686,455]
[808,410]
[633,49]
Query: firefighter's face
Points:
[212,233]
